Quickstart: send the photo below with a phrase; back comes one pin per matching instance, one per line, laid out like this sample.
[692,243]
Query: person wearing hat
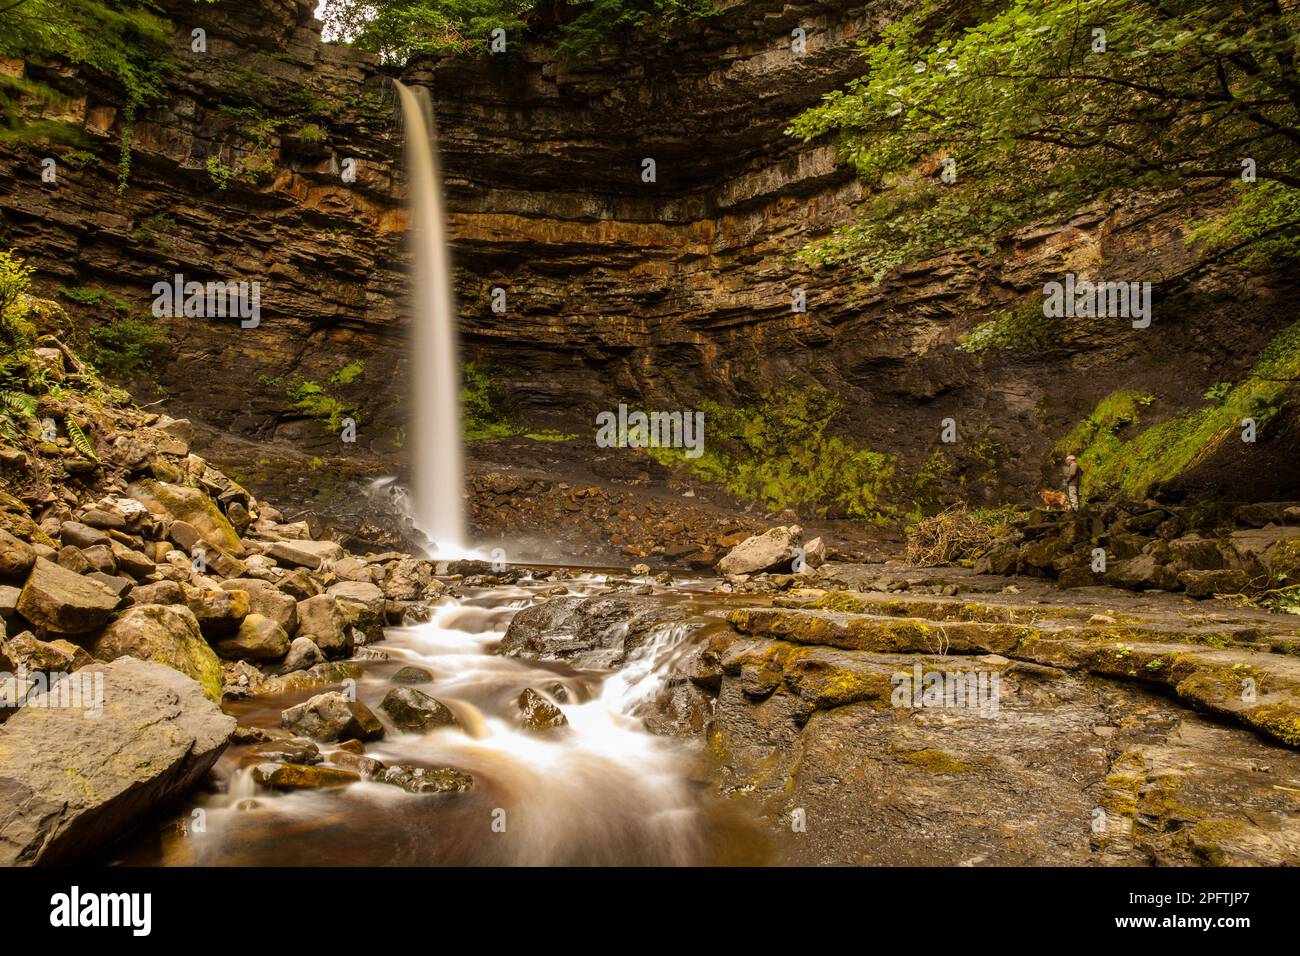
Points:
[1073,475]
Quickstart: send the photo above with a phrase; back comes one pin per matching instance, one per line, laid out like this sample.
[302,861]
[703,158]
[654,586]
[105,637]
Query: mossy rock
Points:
[1281,721]
[191,505]
[21,526]
[823,685]
[937,761]
[883,635]
[164,634]
[1282,560]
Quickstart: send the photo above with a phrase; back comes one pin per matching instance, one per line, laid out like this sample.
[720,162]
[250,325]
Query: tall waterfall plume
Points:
[437,454]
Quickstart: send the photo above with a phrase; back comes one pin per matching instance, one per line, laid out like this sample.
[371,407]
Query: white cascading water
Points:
[438,468]
[601,791]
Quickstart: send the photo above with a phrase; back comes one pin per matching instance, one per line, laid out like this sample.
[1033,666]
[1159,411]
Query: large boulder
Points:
[299,584]
[363,619]
[359,592]
[1038,557]
[303,654]
[158,592]
[321,619]
[590,632]
[191,505]
[131,561]
[1206,584]
[165,634]
[1194,553]
[70,784]
[408,580]
[79,535]
[331,717]
[63,602]
[1142,573]
[258,639]
[266,599]
[773,550]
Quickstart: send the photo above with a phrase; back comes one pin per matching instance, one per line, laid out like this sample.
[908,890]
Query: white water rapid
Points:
[599,791]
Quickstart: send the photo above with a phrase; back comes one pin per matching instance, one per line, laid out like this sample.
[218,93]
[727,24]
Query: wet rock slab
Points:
[70,783]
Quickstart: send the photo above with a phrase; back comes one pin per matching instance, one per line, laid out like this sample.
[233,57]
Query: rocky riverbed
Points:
[190,677]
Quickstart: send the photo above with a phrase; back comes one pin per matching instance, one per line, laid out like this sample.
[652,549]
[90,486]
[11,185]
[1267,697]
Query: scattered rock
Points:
[62,602]
[321,619]
[305,554]
[267,600]
[303,653]
[287,750]
[257,639]
[774,550]
[290,776]
[429,780]
[16,556]
[368,767]
[332,716]
[191,505]
[219,612]
[538,713]
[78,535]
[159,592]
[412,675]
[411,709]
[1206,584]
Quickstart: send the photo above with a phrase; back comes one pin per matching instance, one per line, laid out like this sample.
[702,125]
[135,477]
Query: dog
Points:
[1054,500]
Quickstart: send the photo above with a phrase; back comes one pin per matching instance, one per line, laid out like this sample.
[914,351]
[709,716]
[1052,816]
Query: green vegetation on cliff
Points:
[779,453]
[31,385]
[480,401]
[325,403]
[1023,328]
[1118,455]
[120,344]
[1031,109]
[126,41]
[401,29]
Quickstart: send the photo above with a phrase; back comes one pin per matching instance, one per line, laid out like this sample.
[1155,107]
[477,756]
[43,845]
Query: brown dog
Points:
[1054,500]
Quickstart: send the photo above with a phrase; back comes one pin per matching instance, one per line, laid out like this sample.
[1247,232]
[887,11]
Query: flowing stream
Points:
[601,791]
[436,432]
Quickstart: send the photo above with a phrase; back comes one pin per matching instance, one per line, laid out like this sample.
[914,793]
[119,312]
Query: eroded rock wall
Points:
[663,292]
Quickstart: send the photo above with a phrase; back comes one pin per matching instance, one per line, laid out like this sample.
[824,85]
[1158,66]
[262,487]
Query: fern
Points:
[14,405]
[17,403]
[79,439]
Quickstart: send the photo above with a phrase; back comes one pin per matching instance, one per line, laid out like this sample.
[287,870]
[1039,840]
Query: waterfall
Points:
[436,440]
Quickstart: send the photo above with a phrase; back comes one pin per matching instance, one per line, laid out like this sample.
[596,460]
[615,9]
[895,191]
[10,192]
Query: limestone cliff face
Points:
[327,252]
[617,288]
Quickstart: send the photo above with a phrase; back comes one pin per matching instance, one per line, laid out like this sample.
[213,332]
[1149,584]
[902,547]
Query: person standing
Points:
[1073,476]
